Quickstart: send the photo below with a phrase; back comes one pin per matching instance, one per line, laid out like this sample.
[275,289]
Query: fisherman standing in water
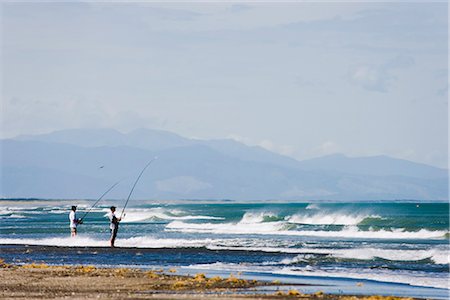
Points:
[74,221]
[114,225]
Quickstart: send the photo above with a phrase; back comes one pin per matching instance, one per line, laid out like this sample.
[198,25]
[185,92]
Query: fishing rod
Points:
[98,200]
[134,185]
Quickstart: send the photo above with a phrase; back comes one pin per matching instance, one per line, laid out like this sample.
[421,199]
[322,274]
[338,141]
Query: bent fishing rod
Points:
[98,200]
[134,185]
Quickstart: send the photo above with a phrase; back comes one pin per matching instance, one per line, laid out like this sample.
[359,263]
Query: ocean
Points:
[389,247]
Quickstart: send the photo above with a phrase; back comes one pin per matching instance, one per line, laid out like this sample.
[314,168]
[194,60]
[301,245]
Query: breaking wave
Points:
[331,219]
[271,224]
[438,256]
[133,242]
[158,213]
[279,228]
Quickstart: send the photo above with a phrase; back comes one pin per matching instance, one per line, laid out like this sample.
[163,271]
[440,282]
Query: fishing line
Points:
[134,185]
[98,200]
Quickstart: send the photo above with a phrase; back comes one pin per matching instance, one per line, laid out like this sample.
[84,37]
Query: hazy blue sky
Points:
[303,79]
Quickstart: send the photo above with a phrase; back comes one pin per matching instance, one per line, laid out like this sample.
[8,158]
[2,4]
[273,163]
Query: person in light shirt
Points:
[74,221]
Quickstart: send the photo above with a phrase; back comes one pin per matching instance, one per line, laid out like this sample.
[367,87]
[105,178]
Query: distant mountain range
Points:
[83,163]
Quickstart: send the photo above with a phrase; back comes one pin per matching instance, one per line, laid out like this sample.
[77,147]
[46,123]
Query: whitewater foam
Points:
[312,206]
[259,217]
[158,213]
[439,256]
[279,228]
[329,219]
[133,242]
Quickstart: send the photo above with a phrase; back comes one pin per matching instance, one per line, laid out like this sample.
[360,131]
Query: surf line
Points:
[134,185]
[98,200]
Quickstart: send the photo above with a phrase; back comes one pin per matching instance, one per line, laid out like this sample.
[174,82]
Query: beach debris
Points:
[4,265]
[36,266]
[121,272]
[290,293]
[152,275]
[199,277]
[215,279]
[293,293]
[85,269]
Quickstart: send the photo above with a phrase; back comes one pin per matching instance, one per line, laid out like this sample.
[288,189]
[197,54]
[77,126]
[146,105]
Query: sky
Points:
[302,79]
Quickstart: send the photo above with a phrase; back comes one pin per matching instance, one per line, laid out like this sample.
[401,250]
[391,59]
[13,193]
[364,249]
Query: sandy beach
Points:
[40,281]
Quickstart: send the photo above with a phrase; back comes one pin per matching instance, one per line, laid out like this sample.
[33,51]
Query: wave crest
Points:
[159,213]
[330,219]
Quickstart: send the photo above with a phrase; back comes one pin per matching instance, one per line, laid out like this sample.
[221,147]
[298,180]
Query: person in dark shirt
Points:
[114,225]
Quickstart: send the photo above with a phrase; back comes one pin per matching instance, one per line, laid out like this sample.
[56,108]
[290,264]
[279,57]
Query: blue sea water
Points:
[401,245]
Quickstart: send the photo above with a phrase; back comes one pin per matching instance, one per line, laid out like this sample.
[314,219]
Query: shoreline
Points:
[41,281]
[21,254]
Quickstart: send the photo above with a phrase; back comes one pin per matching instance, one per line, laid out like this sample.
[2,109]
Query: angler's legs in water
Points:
[113,235]
[114,225]
[73,231]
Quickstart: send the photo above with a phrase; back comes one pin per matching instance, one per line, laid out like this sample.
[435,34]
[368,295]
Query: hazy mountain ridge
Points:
[381,165]
[83,163]
[156,140]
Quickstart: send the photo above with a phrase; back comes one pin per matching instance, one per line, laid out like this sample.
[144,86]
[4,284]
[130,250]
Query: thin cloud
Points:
[379,78]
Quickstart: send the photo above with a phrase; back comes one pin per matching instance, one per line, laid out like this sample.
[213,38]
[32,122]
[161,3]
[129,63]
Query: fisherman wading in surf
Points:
[114,225]
[74,221]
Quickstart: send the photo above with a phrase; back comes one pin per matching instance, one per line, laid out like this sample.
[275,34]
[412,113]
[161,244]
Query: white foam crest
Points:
[59,211]
[149,242]
[410,277]
[329,219]
[354,232]
[439,256]
[278,228]
[312,206]
[15,211]
[66,242]
[394,276]
[227,228]
[159,213]
[256,217]
[4,212]
[17,216]
[251,222]
[134,242]
[262,248]
[83,206]
[17,208]
[10,215]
